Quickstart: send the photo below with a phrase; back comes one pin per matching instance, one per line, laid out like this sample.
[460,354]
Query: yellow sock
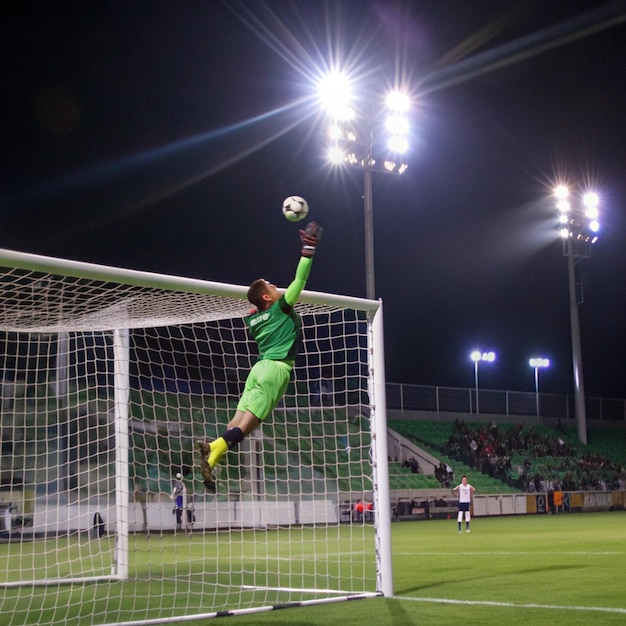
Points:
[219,447]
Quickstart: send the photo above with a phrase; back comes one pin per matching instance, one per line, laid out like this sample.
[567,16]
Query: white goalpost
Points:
[109,378]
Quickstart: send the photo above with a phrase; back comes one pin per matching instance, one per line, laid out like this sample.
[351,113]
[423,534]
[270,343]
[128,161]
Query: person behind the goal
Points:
[276,328]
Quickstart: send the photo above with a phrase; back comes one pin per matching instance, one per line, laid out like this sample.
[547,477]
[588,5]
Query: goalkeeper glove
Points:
[310,238]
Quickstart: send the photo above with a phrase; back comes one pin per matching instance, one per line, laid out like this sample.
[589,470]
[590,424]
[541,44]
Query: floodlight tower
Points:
[478,356]
[579,229]
[355,137]
[537,363]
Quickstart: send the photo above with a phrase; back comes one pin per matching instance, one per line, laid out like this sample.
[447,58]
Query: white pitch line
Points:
[513,605]
[514,553]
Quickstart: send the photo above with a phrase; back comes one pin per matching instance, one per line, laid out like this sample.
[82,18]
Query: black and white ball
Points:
[295,208]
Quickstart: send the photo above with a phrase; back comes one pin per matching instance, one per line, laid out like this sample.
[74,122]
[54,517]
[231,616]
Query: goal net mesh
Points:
[107,385]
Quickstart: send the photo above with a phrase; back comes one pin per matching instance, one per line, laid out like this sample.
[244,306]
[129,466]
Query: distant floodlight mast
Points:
[358,139]
[579,227]
[478,356]
[537,363]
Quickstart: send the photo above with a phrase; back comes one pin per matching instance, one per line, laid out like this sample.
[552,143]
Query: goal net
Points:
[109,378]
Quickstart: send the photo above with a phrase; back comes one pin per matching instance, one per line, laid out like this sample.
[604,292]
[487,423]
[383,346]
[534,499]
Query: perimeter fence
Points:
[513,404]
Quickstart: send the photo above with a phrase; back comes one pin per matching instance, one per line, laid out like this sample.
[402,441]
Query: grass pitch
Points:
[543,569]
[547,569]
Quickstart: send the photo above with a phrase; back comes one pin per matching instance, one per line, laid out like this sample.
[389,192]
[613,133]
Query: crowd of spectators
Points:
[527,459]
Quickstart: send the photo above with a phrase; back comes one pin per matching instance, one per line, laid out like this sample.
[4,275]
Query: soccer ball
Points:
[295,208]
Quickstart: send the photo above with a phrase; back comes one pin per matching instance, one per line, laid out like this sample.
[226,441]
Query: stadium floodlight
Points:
[336,155]
[591,200]
[579,225]
[397,124]
[371,137]
[578,218]
[335,96]
[536,363]
[477,356]
[561,191]
[335,132]
[398,144]
[398,101]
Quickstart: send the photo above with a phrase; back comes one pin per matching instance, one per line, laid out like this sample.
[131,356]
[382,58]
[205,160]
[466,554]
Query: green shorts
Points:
[265,386]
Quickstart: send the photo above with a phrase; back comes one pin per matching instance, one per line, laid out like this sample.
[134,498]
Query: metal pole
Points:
[537,389]
[577,361]
[370,290]
[121,398]
[476,383]
[380,468]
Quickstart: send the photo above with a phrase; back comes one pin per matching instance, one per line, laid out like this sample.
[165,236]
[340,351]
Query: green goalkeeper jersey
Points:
[277,330]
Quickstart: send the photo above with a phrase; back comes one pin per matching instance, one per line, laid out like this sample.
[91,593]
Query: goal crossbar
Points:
[168,283]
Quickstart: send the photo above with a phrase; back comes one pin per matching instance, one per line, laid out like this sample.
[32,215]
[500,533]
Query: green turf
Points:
[566,569]
[562,569]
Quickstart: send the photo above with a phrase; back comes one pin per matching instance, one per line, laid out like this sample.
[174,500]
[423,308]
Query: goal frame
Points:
[376,388]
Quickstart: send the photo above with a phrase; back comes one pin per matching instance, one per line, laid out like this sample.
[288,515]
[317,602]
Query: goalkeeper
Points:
[276,328]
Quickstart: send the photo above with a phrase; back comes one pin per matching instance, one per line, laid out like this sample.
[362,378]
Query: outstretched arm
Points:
[310,239]
[297,284]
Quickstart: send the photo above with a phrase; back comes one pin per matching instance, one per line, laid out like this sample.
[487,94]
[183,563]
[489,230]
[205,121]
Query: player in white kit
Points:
[465,491]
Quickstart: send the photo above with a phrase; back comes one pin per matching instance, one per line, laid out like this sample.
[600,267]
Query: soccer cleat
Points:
[467,530]
[207,476]
[205,469]
[210,486]
[204,448]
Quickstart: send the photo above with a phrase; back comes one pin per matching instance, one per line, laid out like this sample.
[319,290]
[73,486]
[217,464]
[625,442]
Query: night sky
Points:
[164,135]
